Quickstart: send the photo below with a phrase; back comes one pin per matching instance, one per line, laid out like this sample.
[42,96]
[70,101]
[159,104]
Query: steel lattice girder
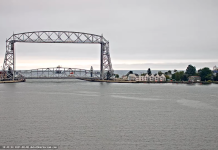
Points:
[56,37]
[52,73]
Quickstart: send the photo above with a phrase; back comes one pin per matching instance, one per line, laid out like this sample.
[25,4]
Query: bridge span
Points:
[57,73]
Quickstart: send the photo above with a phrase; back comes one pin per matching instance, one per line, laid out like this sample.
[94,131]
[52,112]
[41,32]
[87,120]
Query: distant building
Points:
[132,77]
[215,70]
[162,77]
[147,77]
[156,78]
[194,79]
[151,78]
[140,78]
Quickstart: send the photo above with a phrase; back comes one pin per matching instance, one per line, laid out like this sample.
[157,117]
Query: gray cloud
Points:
[157,30]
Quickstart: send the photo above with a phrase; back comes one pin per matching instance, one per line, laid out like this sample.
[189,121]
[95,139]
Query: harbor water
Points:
[80,115]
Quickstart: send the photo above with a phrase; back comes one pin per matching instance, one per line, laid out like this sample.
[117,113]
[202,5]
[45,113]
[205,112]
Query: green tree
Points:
[149,71]
[185,77]
[173,76]
[116,75]
[205,74]
[130,72]
[167,77]
[191,70]
[179,75]
[175,71]
[160,73]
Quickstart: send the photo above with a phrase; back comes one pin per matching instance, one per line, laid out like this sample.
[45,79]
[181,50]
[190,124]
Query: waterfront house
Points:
[162,78]
[156,78]
[215,70]
[151,78]
[147,77]
[194,79]
[140,78]
[132,77]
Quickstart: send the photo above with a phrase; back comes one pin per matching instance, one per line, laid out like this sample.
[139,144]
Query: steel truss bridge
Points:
[9,65]
[57,73]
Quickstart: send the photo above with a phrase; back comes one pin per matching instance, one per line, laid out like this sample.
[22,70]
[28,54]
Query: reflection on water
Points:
[75,114]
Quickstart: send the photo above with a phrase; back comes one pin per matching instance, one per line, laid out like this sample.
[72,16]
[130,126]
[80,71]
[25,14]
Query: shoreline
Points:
[15,81]
[125,81]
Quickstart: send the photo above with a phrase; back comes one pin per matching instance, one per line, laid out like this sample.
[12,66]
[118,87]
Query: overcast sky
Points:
[156,34]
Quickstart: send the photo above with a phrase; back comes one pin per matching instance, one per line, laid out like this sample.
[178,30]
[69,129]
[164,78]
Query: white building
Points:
[147,77]
[140,78]
[132,77]
[151,78]
[162,78]
[215,70]
[157,78]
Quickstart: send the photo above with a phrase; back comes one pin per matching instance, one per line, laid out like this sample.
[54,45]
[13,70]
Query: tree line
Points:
[205,73]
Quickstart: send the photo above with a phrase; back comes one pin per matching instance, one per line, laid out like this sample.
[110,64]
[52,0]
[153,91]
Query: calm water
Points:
[80,115]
